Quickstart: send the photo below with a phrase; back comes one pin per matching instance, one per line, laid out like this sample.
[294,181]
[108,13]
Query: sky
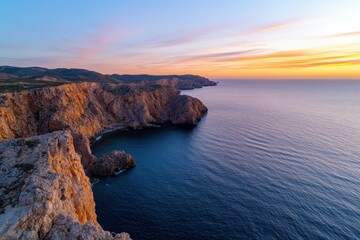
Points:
[281,39]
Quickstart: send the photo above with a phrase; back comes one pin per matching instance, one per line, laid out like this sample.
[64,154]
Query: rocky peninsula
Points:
[31,77]
[45,155]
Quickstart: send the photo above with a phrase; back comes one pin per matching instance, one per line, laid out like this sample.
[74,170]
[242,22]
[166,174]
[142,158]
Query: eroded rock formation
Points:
[111,163]
[89,108]
[45,192]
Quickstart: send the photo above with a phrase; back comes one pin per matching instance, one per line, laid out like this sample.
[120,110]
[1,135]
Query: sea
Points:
[270,160]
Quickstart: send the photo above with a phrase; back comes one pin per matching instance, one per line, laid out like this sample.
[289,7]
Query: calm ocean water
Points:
[271,160]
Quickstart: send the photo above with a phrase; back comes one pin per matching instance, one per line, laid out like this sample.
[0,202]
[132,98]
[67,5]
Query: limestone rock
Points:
[82,147]
[186,110]
[44,191]
[89,108]
[111,163]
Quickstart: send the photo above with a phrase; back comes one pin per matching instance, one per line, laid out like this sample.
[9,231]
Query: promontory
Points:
[47,119]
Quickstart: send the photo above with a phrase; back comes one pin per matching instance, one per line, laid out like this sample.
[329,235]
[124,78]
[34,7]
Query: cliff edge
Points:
[89,108]
[44,191]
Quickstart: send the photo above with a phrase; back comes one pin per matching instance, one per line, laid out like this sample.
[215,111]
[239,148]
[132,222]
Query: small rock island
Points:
[47,119]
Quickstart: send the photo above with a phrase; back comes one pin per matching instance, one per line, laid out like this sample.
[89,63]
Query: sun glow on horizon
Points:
[216,39]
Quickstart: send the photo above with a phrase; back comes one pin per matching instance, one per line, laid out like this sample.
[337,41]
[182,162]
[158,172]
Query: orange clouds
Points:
[220,52]
[327,62]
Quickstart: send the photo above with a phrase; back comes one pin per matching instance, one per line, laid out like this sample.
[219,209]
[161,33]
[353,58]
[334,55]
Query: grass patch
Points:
[17,87]
[11,88]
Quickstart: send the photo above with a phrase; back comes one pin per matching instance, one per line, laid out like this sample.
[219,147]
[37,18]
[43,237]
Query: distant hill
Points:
[58,74]
[29,77]
[178,81]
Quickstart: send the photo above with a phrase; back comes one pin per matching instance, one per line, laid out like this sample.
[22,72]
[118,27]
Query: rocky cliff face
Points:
[89,108]
[44,192]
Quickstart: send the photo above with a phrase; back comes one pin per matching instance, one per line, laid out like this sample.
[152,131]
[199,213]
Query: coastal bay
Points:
[253,168]
[45,152]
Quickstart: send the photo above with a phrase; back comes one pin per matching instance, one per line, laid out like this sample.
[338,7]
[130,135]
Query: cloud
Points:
[91,47]
[170,42]
[213,33]
[274,55]
[273,27]
[346,34]
[215,56]
[312,59]
[258,59]
[99,42]
[184,37]
[346,62]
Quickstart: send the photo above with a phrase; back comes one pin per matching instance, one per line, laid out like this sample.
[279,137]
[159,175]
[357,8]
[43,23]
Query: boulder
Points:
[112,163]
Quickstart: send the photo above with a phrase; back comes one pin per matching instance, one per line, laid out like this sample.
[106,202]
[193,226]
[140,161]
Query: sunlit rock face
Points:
[89,108]
[45,192]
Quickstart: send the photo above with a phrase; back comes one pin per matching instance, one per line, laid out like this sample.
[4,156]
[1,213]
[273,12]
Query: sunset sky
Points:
[213,38]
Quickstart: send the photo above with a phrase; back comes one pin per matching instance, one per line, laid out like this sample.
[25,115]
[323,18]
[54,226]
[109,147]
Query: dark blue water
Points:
[271,160]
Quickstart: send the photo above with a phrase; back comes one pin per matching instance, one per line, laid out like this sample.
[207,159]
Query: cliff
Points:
[89,108]
[111,163]
[44,192]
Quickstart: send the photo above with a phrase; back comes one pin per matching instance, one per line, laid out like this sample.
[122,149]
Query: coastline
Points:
[176,112]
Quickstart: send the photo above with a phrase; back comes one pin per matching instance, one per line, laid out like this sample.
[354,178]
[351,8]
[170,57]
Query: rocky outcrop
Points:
[182,82]
[44,192]
[111,163]
[185,104]
[89,108]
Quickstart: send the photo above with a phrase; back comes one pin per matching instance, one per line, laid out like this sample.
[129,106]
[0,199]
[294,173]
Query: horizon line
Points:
[265,78]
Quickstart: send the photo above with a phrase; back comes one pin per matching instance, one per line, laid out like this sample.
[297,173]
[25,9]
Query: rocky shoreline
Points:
[45,156]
